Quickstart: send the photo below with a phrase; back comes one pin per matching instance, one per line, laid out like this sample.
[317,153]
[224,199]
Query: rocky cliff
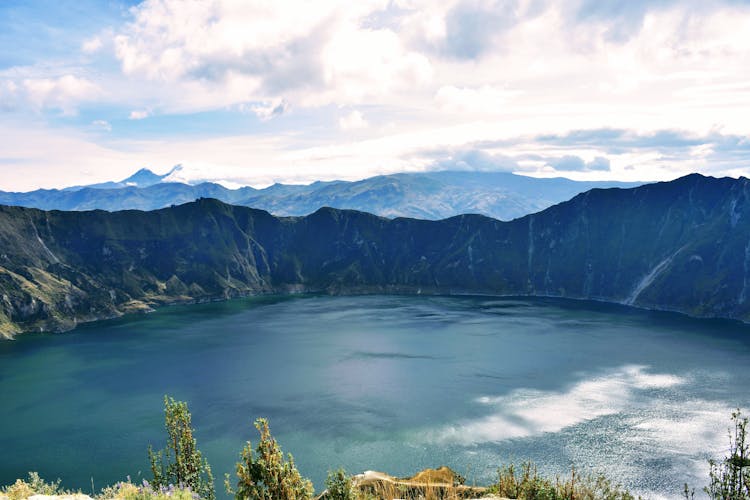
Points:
[682,246]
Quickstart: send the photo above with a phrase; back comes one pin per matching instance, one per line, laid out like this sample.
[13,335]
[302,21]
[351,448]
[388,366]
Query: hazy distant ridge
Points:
[435,195]
[680,246]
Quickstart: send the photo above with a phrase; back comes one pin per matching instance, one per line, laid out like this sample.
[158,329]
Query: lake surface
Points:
[382,383]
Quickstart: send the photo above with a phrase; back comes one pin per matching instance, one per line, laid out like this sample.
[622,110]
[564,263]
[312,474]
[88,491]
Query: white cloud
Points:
[531,69]
[139,114]
[482,100]
[572,163]
[306,53]
[63,93]
[39,88]
[352,121]
[268,109]
[263,159]
[550,61]
[91,45]
[360,63]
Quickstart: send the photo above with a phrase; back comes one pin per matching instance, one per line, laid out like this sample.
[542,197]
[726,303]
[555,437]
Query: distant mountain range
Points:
[434,195]
[680,246]
[141,179]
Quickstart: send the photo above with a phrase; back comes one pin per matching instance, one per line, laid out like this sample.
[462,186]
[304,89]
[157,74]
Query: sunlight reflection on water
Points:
[384,382]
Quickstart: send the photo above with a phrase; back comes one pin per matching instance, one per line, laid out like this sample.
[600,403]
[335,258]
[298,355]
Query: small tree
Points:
[180,463]
[268,476]
[730,479]
[339,485]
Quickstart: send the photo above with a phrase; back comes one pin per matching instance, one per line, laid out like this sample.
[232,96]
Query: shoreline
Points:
[140,307]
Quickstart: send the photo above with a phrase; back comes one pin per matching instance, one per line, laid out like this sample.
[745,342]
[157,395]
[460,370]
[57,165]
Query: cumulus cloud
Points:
[527,59]
[359,63]
[472,160]
[58,92]
[312,53]
[590,90]
[472,26]
[598,163]
[20,87]
[620,21]
[570,163]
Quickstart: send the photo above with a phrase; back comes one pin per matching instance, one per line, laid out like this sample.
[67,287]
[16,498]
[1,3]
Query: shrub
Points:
[125,490]
[35,485]
[180,463]
[526,484]
[339,485]
[268,476]
[730,478]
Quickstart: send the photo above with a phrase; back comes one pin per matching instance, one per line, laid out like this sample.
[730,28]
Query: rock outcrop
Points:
[429,483]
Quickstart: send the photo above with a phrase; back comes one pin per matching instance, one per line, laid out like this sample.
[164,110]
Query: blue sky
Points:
[256,92]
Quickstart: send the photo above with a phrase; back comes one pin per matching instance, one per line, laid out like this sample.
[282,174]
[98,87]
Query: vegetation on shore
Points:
[730,478]
[263,473]
[180,462]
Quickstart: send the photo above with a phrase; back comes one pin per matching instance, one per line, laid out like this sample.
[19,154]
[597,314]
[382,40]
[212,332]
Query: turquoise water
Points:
[382,383]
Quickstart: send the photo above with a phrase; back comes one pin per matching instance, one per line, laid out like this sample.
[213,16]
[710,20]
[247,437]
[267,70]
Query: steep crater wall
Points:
[681,246]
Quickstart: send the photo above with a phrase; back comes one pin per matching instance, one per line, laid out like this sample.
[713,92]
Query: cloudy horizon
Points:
[251,92]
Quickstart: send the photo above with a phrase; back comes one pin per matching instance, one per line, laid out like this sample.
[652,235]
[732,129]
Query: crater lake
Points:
[390,383]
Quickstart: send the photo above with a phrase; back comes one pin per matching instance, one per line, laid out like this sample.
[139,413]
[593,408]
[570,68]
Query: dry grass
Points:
[525,483]
[33,485]
[430,484]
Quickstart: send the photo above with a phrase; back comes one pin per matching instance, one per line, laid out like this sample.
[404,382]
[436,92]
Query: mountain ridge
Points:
[429,195]
[678,246]
[142,178]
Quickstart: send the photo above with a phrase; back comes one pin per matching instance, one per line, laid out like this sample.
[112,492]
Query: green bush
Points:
[526,484]
[339,485]
[34,485]
[126,490]
[180,463]
[730,478]
[268,476]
